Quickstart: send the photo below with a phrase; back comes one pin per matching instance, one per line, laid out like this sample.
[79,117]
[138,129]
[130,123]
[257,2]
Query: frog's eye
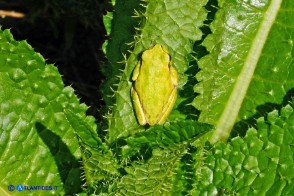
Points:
[163,48]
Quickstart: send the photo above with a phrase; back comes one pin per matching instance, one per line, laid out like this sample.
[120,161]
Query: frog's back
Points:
[156,86]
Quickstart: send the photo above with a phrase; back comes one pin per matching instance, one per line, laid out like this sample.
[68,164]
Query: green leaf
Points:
[122,30]
[173,24]
[37,143]
[165,136]
[107,21]
[261,163]
[46,139]
[99,164]
[154,177]
[250,62]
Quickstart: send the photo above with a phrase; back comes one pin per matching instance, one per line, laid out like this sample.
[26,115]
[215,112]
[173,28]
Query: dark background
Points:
[67,33]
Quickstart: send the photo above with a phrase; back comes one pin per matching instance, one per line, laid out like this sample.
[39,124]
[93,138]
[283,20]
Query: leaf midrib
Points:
[233,105]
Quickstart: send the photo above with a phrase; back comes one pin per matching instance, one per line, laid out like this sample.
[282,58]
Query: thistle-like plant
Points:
[231,130]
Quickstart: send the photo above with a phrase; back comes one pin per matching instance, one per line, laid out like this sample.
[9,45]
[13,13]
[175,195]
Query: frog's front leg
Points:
[138,107]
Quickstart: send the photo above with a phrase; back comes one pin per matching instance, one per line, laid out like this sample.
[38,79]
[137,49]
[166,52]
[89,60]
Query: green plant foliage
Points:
[99,165]
[170,23]
[261,163]
[165,171]
[120,26]
[165,136]
[38,144]
[250,62]
[154,177]
[245,79]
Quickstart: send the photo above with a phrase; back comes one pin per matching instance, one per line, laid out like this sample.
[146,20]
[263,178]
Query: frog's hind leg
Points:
[169,106]
[138,108]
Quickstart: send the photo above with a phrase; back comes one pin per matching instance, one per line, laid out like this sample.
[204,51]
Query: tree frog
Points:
[154,90]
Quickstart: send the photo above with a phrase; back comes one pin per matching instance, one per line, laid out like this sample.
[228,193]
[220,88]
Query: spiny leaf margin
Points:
[174,24]
[154,177]
[99,164]
[165,136]
[33,100]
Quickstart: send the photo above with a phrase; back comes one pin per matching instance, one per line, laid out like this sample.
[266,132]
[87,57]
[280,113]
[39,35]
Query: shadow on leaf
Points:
[68,166]
[241,127]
